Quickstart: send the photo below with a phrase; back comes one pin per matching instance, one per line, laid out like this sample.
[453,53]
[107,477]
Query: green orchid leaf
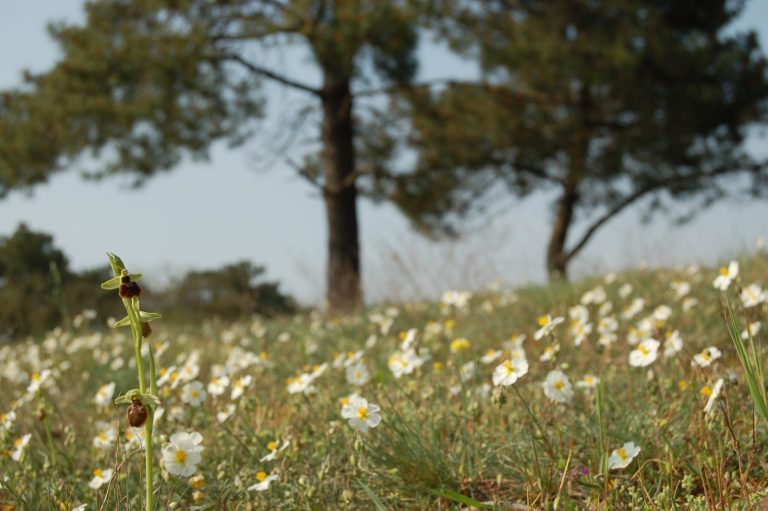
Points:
[116,263]
[131,395]
[149,316]
[126,321]
[112,283]
[128,397]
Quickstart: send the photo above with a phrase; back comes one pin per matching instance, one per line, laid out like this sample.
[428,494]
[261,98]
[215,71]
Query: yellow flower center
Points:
[682,385]
[344,401]
[272,446]
[705,355]
[559,385]
[642,349]
[362,413]
[98,472]
[622,453]
[543,320]
[261,476]
[102,436]
[724,271]
[358,374]
[263,355]
[35,376]
[437,366]
[17,443]
[588,380]
[706,391]
[194,393]
[181,456]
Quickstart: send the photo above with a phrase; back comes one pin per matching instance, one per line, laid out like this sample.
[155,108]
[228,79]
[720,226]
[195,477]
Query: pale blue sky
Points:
[243,205]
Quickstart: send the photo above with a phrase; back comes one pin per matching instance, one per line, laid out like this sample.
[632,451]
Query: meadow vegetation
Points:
[623,391]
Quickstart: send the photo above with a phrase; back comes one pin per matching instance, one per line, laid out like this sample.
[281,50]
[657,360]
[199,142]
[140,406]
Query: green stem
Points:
[46,426]
[136,330]
[133,314]
[149,465]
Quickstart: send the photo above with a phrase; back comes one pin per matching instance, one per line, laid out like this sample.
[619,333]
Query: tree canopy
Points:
[143,83]
[607,102]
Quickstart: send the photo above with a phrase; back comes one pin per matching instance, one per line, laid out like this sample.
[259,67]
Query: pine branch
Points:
[653,187]
[271,75]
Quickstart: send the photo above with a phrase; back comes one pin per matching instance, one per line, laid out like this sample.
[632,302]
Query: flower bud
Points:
[146,330]
[137,413]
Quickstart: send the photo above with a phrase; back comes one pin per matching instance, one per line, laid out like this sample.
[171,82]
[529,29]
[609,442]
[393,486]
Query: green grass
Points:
[443,443]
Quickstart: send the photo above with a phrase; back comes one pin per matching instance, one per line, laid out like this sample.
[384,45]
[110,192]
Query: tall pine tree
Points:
[607,102]
[144,83]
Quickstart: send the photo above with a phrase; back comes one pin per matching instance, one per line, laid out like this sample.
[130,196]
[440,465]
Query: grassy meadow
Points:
[616,392]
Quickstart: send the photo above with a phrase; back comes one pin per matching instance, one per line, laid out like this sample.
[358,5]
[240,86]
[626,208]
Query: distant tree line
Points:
[39,290]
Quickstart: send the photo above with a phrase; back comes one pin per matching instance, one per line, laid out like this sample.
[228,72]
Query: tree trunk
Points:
[557,262]
[344,291]
[557,254]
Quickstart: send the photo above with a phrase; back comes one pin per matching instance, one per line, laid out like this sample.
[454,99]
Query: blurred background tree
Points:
[234,291]
[606,102]
[32,302]
[144,83]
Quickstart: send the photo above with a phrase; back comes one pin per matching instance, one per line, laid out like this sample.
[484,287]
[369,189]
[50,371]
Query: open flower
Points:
[7,419]
[673,344]
[645,353]
[104,394]
[223,415]
[509,371]
[264,481]
[458,345]
[712,395]
[239,386]
[361,414]
[193,393]
[588,382]
[557,387]
[100,478]
[726,276]
[18,446]
[357,374]
[218,385]
[274,448]
[182,454]
[707,356]
[37,380]
[106,434]
[491,356]
[623,456]
[546,325]
[752,330]
[753,295]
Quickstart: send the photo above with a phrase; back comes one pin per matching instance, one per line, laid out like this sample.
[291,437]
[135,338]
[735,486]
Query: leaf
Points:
[146,317]
[126,321]
[458,497]
[146,399]
[377,503]
[112,283]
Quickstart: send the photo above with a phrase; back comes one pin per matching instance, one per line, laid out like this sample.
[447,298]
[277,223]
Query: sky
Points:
[248,204]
